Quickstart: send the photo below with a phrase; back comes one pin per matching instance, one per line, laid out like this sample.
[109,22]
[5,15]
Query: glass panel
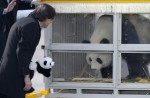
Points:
[135,67]
[83,28]
[135,29]
[135,92]
[82,67]
[64,91]
[96,91]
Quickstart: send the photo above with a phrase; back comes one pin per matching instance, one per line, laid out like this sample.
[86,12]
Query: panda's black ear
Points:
[86,41]
[104,41]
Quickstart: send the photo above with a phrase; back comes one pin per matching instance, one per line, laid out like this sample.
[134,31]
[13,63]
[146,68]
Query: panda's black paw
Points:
[86,41]
[106,72]
[30,91]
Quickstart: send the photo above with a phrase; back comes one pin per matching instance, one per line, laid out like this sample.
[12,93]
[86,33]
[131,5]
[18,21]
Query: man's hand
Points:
[28,83]
[36,2]
[10,6]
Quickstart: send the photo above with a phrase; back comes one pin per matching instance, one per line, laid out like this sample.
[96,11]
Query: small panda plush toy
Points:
[42,66]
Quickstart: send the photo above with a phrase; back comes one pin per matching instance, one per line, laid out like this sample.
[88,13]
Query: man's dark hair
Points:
[44,11]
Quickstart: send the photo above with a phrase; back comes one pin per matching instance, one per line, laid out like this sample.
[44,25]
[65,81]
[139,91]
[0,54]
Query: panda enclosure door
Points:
[64,44]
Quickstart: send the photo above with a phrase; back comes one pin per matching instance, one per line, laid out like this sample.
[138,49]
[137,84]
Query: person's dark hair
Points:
[44,11]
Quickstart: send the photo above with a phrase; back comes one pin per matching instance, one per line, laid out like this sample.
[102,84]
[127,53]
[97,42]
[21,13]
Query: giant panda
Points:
[135,31]
[103,34]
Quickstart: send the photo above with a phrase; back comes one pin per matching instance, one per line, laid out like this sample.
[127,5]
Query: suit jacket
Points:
[21,44]
[7,20]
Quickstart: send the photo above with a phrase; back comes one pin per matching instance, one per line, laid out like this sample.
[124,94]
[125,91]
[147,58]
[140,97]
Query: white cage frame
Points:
[117,48]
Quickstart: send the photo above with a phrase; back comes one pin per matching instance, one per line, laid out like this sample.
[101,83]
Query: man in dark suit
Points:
[20,47]
[8,12]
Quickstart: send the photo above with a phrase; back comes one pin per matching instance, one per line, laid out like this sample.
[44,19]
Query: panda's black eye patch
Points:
[50,64]
[45,62]
[99,60]
[90,59]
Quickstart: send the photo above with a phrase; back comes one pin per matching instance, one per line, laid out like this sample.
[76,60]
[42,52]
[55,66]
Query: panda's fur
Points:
[139,29]
[42,66]
[142,26]
[100,35]
[103,34]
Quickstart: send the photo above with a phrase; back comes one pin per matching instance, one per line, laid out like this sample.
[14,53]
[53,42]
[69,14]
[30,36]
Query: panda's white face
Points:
[46,63]
[98,60]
